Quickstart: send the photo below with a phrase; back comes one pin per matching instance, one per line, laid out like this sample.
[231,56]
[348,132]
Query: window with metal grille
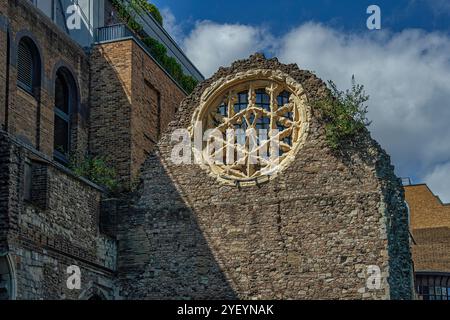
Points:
[433,286]
[25,66]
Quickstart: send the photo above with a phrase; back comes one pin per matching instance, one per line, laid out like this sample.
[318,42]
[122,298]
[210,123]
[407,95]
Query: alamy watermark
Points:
[74,280]
[373,277]
[374,20]
[232,147]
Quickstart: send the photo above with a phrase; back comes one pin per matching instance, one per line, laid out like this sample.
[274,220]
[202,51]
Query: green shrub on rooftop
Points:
[157,49]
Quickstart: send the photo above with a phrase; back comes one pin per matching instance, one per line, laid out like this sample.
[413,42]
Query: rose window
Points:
[252,125]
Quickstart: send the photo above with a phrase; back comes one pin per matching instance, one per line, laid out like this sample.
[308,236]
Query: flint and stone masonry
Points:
[310,233]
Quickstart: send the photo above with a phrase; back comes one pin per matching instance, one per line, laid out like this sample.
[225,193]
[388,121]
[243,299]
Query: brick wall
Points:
[432,250]
[155,99]
[430,227]
[57,228]
[133,99]
[110,112]
[311,233]
[427,211]
[32,117]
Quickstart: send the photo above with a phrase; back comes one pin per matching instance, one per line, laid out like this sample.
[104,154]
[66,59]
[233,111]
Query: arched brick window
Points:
[6,279]
[65,100]
[28,66]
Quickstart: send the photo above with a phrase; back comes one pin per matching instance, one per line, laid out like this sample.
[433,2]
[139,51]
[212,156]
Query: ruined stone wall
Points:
[56,228]
[32,117]
[310,233]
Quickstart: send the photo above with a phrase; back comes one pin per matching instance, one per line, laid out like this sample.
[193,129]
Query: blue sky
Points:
[282,15]
[405,66]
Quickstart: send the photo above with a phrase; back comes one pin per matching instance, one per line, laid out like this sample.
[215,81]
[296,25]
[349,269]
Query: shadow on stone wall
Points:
[163,253]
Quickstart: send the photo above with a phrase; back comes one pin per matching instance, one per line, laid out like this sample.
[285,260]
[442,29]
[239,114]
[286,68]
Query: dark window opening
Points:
[64,101]
[223,110]
[282,100]
[5,280]
[433,287]
[28,66]
[262,99]
[27,181]
[241,105]
[61,94]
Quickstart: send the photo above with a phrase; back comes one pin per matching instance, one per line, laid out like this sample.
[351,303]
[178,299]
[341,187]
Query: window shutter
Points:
[25,66]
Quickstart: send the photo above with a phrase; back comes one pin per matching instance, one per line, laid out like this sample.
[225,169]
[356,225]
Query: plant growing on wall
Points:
[127,12]
[344,113]
[97,170]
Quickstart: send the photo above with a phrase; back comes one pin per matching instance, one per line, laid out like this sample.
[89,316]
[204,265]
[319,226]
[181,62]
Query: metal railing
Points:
[113,32]
[119,32]
[406,181]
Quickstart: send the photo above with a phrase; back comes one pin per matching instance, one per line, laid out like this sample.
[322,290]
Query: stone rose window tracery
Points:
[254,124]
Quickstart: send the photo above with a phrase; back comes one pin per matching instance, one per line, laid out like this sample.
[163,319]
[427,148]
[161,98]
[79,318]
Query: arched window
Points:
[6,284]
[28,66]
[65,100]
[433,286]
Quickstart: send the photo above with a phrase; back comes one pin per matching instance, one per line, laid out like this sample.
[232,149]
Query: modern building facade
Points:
[430,229]
[98,22]
[320,226]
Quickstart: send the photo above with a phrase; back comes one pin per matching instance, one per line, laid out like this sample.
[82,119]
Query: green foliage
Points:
[97,170]
[170,64]
[153,10]
[344,112]
[157,49]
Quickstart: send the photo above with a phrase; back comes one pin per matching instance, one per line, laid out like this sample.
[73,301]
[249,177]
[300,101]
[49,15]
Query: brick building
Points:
[59,99]
[430,229]
[324,226]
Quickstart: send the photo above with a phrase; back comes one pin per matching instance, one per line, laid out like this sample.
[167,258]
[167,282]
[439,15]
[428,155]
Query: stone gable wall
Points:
[311,233]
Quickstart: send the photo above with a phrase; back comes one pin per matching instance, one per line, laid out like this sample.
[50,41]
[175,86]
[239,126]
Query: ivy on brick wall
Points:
[157,49]
[344,113]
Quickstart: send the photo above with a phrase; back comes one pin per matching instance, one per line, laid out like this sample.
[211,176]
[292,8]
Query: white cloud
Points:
[171,25]
[211,45]
[438,180]
[407,75]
